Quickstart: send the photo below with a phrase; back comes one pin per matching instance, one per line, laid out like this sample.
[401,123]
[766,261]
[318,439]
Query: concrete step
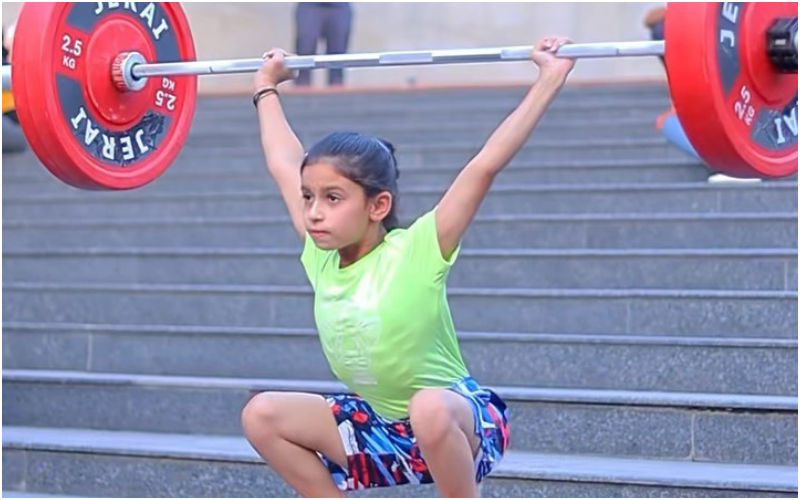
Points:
[455,154]
[766,366]
[503,198]
[441,107]
[576,231]
[447,115]
[393,103]
[24,175]
[692,426]
[414,109]
[422,133]
[723,269]
[444,107]
[249,158]
[32,494]
[250,155]
[610,111]
[410,153]
[752,314]
[437,100]
[111,464]
[242,128]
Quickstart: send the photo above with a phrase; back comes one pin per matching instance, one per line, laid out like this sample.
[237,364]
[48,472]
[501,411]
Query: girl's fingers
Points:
[549,43]
[558,42]
[272,53]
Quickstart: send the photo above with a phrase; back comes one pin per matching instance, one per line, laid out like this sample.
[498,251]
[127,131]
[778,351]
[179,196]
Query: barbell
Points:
[105,91]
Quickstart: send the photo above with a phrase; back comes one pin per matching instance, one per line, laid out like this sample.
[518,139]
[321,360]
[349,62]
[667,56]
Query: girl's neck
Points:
[373,238]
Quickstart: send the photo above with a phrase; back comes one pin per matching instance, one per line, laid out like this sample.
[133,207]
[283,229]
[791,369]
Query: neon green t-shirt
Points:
[383,320]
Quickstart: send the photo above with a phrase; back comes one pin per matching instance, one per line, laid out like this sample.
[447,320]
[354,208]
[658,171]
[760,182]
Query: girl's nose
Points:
[314,212]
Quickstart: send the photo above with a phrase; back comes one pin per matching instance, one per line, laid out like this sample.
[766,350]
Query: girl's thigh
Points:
[301,418]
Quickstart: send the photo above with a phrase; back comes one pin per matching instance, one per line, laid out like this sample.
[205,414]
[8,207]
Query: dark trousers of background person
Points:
[328,20]
[13,138]
[657,33]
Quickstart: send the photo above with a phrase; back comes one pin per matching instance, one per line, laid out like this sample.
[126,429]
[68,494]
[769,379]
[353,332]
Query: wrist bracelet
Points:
[261,93]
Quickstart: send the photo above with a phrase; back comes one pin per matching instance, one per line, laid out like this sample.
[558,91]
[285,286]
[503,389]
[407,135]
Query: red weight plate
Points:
[30,110]
[739,112]
[81,127]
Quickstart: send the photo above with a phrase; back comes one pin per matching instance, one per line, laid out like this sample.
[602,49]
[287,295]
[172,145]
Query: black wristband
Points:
[261,93]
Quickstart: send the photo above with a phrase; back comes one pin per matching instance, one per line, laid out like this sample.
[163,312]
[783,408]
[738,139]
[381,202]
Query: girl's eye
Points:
[333,198]
[306,196]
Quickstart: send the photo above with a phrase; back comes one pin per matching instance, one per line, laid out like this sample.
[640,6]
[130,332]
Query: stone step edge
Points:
[472,98]
[190,251]
[559,164]
[264,220]
[534,143]
[33,494]
[518,292]
[741,402]
[575,87]
[594,98]
[586,143]
[259,194]
[403,98]
[387,126]
[610,339]
[640,111]
[515,465]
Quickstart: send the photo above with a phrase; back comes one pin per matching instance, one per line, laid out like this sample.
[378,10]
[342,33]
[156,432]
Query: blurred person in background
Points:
[330,21]
[668,122]
[13,139]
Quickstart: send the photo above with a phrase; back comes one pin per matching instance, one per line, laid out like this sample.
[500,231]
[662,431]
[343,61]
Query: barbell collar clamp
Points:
[782,44]
[122,74]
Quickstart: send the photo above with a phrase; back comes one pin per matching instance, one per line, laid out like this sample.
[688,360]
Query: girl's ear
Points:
[380,206]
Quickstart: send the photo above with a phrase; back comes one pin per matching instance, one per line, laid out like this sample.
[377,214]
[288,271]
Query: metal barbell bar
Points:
[138,71]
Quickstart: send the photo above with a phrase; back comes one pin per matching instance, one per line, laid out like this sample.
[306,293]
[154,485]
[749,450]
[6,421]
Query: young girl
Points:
[381,309]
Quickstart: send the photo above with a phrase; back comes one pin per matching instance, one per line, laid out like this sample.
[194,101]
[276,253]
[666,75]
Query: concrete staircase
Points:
[641,322]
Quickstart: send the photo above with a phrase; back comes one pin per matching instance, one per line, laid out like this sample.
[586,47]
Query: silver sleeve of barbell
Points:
[6,77]
[421,57]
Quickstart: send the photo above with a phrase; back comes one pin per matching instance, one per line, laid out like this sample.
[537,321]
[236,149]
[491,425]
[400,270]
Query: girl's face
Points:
[335,209]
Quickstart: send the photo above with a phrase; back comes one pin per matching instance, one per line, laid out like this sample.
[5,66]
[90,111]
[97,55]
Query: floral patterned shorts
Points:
[383,452]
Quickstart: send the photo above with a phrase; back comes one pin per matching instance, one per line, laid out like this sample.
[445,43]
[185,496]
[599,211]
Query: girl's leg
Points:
[286,429]
[308,25]
[443,425]
[337,36]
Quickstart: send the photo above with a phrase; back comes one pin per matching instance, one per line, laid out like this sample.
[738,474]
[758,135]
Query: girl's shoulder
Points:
[408,235]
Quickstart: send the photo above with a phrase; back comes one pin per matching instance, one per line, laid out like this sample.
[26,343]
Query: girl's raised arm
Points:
[461,201]
[283,151]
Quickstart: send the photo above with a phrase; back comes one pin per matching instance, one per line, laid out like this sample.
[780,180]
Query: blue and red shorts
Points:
[383,452]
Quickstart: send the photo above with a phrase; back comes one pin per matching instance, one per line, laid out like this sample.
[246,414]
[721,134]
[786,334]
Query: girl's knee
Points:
[260,414]
[431,416]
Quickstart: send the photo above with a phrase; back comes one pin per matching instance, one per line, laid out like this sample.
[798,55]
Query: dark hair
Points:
[366,160]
